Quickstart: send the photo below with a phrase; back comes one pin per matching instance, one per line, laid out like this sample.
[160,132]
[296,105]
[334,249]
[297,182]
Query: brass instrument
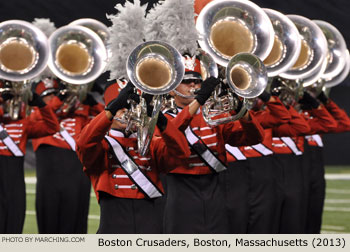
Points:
[238,35]
[336,56]
[290,91]
[23,56]
[313,50]
[286,46]
[325,85]
[232,26]
[334,66]
[246,76]
[78,57]
[99,28]
[155,68]
[311,62]
[335,61]
[329,83]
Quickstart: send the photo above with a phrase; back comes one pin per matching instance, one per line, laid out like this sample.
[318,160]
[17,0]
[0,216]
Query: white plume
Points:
[127,32]
[47,27]
[172,21]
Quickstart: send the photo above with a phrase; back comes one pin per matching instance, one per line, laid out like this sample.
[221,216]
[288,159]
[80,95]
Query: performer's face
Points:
[186,88]
[117,124]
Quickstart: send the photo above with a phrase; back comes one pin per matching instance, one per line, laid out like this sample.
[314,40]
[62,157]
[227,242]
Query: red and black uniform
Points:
[195,196]
[320,121]
[316,185]
[289,164]
[341,117]
[62,190]
[125,207]
[12,186]
[250,183]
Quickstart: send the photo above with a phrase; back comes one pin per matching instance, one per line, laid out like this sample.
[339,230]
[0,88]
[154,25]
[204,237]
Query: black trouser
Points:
[236,186]
[288,170]
[195,204]
[315,186]
[129,216]
[263,196]
[251,195]
[62,192]
[162,200]
[12,195]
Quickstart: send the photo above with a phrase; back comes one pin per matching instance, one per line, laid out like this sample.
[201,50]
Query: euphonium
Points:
[289,91]
[286,46]
[236,34]
[23,56]
[232,26]
[98,27]
[333,64]
[325,85]
[155,68]
[336,80]
[246,76]
[78,57]
[313,50]
[310,64]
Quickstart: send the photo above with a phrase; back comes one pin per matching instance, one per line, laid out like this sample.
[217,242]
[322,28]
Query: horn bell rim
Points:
[175,60]
[40,46]
[289,34]
[98,53]
[315,40]
[261,27]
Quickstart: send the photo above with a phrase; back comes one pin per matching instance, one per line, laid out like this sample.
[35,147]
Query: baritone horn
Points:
[156,68]
[78,57]
[313,50]
[287,44]
[246,77]
[335,61]
[238,35]
[310,63]
[228,27]
[23,56]
[98,27]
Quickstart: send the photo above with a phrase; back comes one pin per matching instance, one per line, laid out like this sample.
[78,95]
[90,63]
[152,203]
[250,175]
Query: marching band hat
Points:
[112,90]
[192,68]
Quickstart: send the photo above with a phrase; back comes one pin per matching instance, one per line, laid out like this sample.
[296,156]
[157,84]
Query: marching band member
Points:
[126,184]
[317,184]
[62,207]
[14,136]
[250,178]
[195,200]
[289,163]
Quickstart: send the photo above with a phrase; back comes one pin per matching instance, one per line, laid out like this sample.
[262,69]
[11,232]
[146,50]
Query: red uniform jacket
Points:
[73,123]
[320,121]
[236,133]
[21,130]
[274,115]
[297,125]
[339,115]
[105,172]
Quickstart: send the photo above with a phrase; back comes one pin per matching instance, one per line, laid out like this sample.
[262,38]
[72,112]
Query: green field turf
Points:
[336,217]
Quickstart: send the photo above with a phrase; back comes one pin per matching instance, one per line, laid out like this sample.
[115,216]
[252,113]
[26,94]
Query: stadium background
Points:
[61,12]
